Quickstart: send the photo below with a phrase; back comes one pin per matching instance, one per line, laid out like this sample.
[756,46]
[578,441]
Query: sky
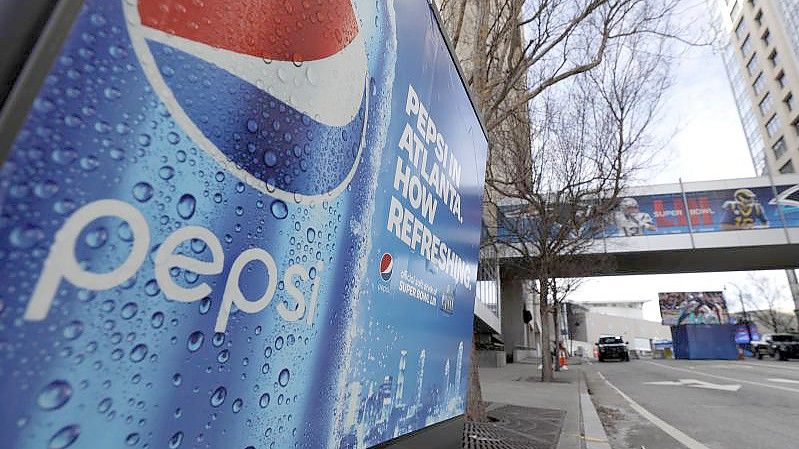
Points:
[706,142]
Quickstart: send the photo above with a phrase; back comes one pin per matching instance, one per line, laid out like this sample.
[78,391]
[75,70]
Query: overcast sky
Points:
[707,143]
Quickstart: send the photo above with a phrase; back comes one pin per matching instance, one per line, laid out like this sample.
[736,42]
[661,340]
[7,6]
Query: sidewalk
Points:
[518,384]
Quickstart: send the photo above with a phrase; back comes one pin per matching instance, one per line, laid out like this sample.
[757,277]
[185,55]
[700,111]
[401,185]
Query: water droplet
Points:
[124,232]
[25,236]
[218,398]
[166,172]
[279,343]
[157,320]
[177,379]
[265,368]
[129,310]
[205,305]
[144,140]
[138,353]
[237,404]
[173,138]
[54,395]
[132,439]
[311,235]
[223,356]
[151,288]
[72,330]
[176,440]
[195,341]
[283,377]
[186,206]
[142,191]
[270,159]
[89,163]
[279,209]
[64,437]
[104,405]
[45,189]
[268,352]
[219,338]
[252,126]
[97,237]
[219,176]
[264,401]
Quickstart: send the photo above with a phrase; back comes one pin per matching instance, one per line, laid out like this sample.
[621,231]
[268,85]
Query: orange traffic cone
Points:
[562,361]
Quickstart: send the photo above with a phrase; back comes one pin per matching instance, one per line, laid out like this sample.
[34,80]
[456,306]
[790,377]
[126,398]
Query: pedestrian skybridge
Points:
[727,225]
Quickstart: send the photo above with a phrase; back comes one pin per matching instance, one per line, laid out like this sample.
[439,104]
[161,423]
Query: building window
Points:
[767,38]
[774,58]
[787,168]
[736,8]
[790,103]
[765,105]
[746,47]
[759,18]
[740,29]
[772,126]
[781,79]
[759,85]
[751,66]
[779,148]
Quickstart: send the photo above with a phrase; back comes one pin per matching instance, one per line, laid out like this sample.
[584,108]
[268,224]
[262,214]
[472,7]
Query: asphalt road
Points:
[673,404]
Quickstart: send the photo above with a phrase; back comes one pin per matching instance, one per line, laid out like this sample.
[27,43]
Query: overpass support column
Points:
[792,282]
[516,295]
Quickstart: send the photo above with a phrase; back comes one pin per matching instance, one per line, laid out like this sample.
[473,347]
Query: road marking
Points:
[693,383]
[694,371]
[784,381]
[771,365]
[672,431]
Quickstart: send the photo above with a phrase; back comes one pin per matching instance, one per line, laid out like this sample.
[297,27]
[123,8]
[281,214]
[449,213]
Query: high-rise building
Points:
[420,379]
[400,379]
[761,56]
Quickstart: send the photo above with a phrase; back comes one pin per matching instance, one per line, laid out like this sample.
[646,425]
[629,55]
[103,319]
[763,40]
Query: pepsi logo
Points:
[276,94]
[386,266]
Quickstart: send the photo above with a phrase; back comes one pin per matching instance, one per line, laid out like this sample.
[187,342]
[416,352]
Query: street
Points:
[659,404]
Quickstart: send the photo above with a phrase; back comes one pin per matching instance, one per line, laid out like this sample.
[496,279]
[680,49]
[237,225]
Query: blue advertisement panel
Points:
[240,224]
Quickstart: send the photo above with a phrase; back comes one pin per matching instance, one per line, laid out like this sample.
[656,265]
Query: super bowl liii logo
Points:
[448,301]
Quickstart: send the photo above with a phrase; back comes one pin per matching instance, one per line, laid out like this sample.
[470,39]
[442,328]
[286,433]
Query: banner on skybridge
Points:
[709,211]
[667,213]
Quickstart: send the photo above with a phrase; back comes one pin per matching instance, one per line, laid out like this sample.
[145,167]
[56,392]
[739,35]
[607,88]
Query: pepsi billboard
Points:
[240,224]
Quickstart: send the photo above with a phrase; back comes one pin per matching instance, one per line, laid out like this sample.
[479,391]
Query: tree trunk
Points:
[475,409]
[546,344]
[556,320]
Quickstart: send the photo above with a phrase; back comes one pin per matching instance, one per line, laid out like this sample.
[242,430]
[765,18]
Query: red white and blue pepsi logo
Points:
[274,91]
[386,266]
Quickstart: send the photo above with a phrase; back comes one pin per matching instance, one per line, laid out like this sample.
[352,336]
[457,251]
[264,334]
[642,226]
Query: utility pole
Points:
[792,282]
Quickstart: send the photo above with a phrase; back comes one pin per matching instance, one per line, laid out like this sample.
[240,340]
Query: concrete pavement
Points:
[518,384]
[659,404]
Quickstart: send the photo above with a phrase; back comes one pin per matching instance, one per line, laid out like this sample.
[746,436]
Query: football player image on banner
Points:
[743,212]
[630,221]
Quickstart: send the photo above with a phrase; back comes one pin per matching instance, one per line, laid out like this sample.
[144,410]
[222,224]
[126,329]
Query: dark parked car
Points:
[779,346]
[612,347]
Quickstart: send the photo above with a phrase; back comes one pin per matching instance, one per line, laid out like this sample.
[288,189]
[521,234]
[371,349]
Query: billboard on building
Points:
[218,217]
[678,308]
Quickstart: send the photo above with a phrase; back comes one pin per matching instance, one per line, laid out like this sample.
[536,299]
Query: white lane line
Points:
[784,381]
[770,365]
[672,431]
[732,379]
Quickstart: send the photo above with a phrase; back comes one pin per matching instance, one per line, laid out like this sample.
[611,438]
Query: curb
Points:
[593,434]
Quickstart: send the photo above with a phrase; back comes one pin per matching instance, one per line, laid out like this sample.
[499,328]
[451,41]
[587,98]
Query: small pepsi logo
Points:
[386,266]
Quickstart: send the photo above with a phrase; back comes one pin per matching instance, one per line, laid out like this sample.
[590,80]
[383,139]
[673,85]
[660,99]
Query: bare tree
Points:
[762,299]
[562,143]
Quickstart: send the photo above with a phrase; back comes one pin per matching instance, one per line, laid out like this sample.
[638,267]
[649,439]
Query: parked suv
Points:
[779,346]
[612,347]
